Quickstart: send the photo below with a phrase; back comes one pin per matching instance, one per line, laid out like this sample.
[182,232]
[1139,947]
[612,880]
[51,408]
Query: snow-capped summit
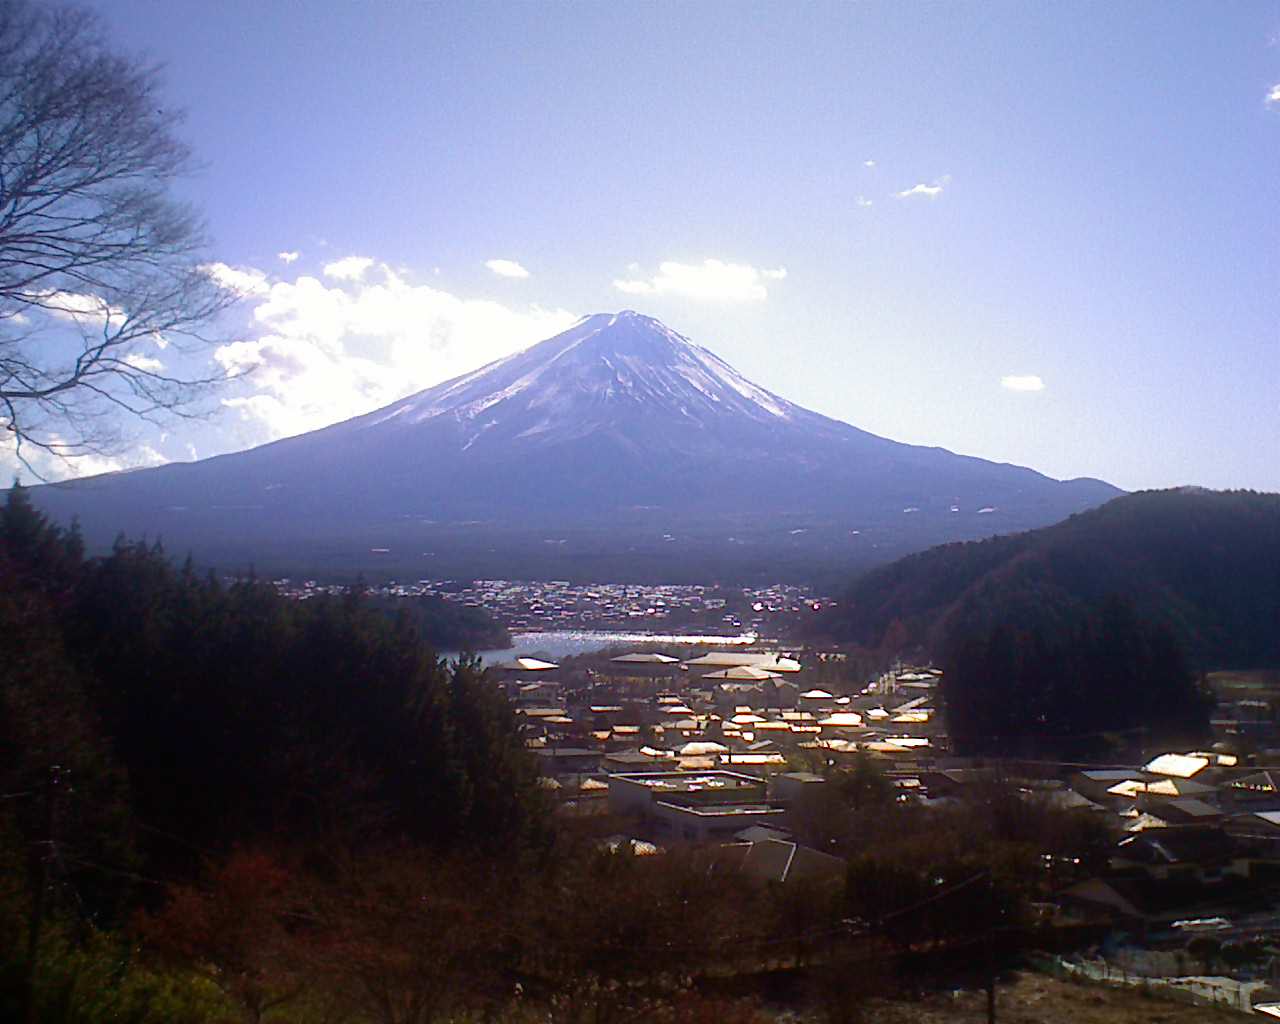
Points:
[617,420]
[621,373]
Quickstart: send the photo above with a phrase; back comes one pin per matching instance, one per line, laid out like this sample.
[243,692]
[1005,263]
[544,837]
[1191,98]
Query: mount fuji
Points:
[616,449]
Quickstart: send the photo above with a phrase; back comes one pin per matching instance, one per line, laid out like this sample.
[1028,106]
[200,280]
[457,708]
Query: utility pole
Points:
[40,873]
[991,953]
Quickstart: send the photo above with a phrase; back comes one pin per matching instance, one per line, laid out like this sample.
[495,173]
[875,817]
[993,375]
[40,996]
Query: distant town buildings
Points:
[559,604]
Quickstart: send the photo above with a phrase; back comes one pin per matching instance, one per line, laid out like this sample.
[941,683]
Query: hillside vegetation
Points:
[1205,563]
[1100,624]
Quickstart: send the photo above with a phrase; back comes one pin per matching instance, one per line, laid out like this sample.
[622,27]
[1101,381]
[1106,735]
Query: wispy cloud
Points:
[634,287]
[1022,382]
[710,280]
[922,189]
[1273,96]
[864,202]
[349,268]
[868,163]
[244,281]
[288,257]
[50,467]
[506,268]
[322,352]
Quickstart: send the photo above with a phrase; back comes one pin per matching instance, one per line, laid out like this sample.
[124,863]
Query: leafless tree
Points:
[103,295]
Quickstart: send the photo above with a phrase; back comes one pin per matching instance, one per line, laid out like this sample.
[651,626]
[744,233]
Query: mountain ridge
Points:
[618,421]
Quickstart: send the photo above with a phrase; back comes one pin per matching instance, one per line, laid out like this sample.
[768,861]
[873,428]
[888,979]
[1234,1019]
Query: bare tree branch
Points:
[101,277]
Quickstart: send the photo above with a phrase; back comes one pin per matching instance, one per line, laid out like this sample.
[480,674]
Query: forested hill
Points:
[446,625]
[1206,563]
[228,714]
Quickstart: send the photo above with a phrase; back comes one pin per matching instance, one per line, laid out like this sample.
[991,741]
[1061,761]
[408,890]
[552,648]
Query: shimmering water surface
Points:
[561,643]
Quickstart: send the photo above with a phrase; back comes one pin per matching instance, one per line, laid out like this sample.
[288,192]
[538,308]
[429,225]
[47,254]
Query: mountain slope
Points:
[1205,563]
[618,438]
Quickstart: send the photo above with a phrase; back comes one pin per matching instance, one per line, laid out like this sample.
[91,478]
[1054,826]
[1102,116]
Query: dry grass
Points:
[1037,999]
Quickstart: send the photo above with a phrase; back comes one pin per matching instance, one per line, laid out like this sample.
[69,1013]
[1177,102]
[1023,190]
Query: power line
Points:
[177,839]
[936,896]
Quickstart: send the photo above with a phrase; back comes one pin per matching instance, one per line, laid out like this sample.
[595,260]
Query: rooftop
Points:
[723,810]
[693,782]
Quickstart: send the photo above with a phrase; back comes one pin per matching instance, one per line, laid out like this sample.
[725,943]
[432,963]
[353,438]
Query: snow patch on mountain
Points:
[602,362]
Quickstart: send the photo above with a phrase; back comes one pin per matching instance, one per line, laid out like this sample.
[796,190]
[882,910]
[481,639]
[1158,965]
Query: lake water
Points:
[561,643]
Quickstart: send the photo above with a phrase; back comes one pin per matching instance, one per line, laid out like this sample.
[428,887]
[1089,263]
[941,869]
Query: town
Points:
[560,604]
[731,752]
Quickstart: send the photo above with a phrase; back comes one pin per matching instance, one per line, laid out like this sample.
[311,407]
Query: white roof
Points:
[1221,760]
[842,720]
[701,748]
[745,672]
[527,665]
[729,659]
[639,658]
[1181,766]
[885,748]
[816,695]
[772,757]
[1129,787]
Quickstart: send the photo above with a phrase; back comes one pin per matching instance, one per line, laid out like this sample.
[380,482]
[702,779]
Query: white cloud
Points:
[145,363]
[1273,96]
[80,308]
[710,280]
[506,268]
[244,281]
[1022,382]
[50,467]
[929,191]
[349,268]
[634,287]
[288,257]
[864,202]
[324,352]
[868,163]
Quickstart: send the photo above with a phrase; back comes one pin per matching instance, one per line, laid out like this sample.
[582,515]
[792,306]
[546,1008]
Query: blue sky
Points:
[1092,205]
